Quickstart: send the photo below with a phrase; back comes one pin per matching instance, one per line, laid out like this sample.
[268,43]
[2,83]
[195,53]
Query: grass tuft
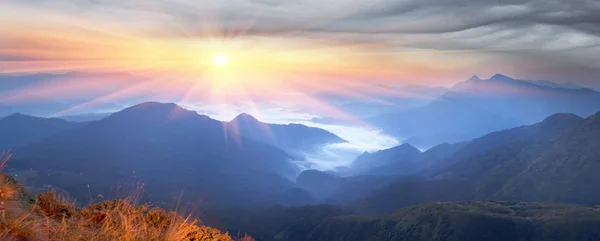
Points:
[56,218]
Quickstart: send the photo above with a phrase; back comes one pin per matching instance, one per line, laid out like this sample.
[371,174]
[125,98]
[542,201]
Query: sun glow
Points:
[220,60]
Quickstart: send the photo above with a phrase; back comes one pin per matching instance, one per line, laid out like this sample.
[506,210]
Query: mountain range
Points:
[244,174]
[476,107]
[444,193]
[400,158]
[165,145]
[551,161]
[451,221]
[389,100]
[18,129]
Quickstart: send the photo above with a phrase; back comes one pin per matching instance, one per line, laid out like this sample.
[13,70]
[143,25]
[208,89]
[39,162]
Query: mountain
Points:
[402,176]
[542,132]
[169,149]
[529,103]
[292,137]
[399,159]
[387,100]
[444,221]
[551,161]
[32,107]
[444,155]
[477,107]
[460,220]
[369,172]
[85,117]
[559,167]
[568,85]
[274,222]
[486,220]
[442,121]
[18,129]
[320,184]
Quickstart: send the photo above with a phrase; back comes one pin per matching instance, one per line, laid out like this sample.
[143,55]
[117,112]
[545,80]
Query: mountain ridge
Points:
[476,107]
[168,146]
[386,161]
[291,137]
[19,129]
[529,163]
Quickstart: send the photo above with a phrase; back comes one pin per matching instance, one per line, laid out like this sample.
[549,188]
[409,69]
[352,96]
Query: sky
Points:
[278,58]
[410,41]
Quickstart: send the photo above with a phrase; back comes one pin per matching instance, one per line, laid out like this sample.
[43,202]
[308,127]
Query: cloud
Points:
[430,16]
[353,16]
[271,2]
[15,58]
[466,14]
[470,30]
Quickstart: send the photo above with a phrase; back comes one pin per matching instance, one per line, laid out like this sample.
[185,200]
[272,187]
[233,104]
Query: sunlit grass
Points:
[53,217]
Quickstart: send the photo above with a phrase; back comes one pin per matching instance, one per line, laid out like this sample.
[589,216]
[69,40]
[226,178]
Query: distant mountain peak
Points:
[155,104]
[155,110]
[501,77]
[403,148]
[159,107]
[245,117]
[566,85]
[467,83]
[286,136]
[562,116]
[474,78]
[20,129]
[406,146]
[388,161]
[594,120]
[561,119]
[20,116]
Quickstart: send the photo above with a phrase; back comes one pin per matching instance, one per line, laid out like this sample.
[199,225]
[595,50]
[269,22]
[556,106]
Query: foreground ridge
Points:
[47,217]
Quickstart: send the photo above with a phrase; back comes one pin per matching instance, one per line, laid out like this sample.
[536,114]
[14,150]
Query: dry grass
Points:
[119,220]
[55,218]
[51,219]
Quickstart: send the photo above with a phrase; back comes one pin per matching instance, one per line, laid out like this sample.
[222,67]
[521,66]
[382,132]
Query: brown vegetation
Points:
[51,218]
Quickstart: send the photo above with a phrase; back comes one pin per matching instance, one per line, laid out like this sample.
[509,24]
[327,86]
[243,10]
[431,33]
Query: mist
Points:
[361,138]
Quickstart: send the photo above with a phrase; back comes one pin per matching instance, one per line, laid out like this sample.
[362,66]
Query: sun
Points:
[220,60]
